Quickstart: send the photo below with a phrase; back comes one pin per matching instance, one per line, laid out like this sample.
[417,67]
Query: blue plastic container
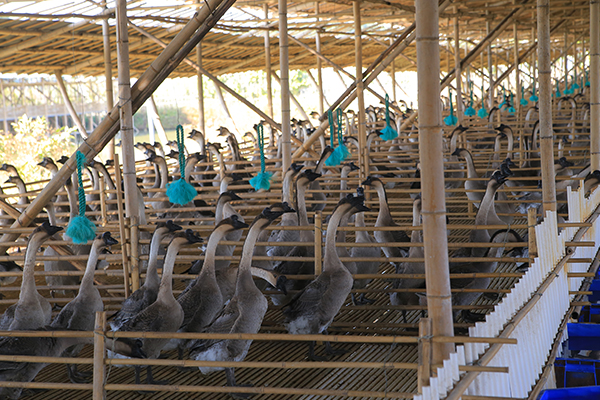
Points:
[575,372]
[584,336]
[580,393]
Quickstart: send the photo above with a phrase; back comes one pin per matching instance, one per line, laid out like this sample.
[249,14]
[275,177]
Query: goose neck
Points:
[330,237]
[90,268]
[163,170]
[28,283]
[152,278]
[301,203]
[471,171]
[166,282]
[211,248]
[384,209]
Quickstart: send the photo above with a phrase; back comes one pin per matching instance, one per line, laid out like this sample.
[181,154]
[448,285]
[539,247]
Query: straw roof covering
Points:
[69,38]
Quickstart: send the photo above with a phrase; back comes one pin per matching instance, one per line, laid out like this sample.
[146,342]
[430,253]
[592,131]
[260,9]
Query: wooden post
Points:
[135,253]
[201,123]
[531,223]
[435,240]
[284,67]
[362,123]
[489,63]
[125,112]
[224,105]
[153,111]
[517,104]
[425,353]
[545,105]
[268,64]
[4,113]
[99,355]
[460,112]
[319,65]
[318,242]
[69,105]
[595,83]
[393,79]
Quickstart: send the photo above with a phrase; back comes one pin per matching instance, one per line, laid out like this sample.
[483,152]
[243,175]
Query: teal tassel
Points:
[262,180]
[511,109]
[523,99]
[534,98]
[470,111]
[557,94]
[81,229]
[451,119]
[337,156]
[482,112]
[387,133]
[181,192]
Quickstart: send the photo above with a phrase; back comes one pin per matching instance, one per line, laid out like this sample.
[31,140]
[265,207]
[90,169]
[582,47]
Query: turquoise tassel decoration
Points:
[262,180]
[81,229]
[511,109]
[574,85]
[387,133]
[451,119]
[557,94]
[523,101]
[181,192]
[482,112]
[567,90]
[340,153]
[533,98]
[587,79]
[470,111]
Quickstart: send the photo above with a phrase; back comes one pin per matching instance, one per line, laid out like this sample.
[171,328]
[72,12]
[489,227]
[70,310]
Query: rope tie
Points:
[482,112]
[340,153]
[81,229]
[181,192]
[533,98]
[451,119]
[470,111]
[388,133]
[524,101]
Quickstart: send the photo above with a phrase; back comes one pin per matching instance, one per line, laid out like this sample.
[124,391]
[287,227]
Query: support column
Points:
[286,154]
[125,112]
[319,66]
[489,64]
[595,83]
[545,105]
[435,240]
[268,65]
[517,104]
[362,123]
[69,105]
[458,75]
[4,113]
[108,77]
[201,124]
[393,79]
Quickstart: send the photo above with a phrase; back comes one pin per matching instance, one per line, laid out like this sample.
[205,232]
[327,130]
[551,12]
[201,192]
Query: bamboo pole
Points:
[458,68]
[532,222]
[135,254]
[425,354]
[99,376]
[124,255]
[319,65]
[595,84]
[362,123]
[293,99]
[435,240]
[268,65]
[284,68]
[201,123]
[108,75]
[125,112]
[69,105]
[545,106]
[488,28]
[160,130]
[517,103]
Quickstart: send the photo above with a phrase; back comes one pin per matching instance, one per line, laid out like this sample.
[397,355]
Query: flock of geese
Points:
[225,297]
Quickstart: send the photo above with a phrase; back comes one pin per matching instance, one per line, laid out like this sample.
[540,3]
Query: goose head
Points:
[565,163]
[9,266]
[282,207]
[296,167]
[458,129]
[151,156]
[13,179]
[228,196]
[196,157]
[48,163]
[234,221]
[196,135]
[459,152]
[173,154]
[172,227]
[306,177]
[9,168]
[372,181]
[223,131]
[63,159]
[505,169]
[503,128]
[107,240]
[497,179]
[45,230]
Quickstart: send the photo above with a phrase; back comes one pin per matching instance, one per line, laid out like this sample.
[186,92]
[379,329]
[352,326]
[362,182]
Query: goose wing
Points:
[308,300]
[139,300]
[223,323]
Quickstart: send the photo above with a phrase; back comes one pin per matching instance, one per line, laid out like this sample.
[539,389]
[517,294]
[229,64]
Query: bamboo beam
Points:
[201,123]
[268,66]
[125,112]
[99,370]
[458,68]
[196,29]
[545,106]
[293,99]
[69,105]
[435,240]
[595,84]
[108,76]
[284,68]
[160,130]
[362,123]
[320,89]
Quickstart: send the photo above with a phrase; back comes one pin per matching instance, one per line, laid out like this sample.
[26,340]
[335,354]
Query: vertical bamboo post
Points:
[124,254]
[4,113]
[435,240]
[595,83]
[531,223]
[425,353]
[488,27]
[362,123]
[268,65]
[135,253]
[318,243]
[201,123]
[69,105]
[517,104]
[125,112]
[284,82]
[393,72]
[457,67]
[319,65]
[99,356]
[103,203]
[545,105]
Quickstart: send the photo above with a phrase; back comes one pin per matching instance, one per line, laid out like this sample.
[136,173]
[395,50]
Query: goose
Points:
[79,314]
[198,137]
[241,163]
[61,197]
[409,298]
[161,203]
[468,268]
[146,294]
[287,219]
[319,197]
[384,219]
[243,314]
[32,310]
[473,185]
[364,267]
[312,310]
[164,315]
[18,182]
[287,267]
[202,300]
